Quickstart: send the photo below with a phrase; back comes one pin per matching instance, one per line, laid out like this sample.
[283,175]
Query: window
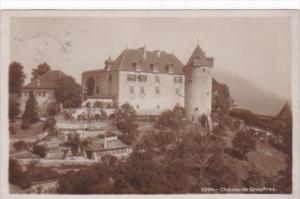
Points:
[157,90]
[142,78]
[97,89]
[157,106]
[137,106]
[197,61]
[154,69]
[207,93]
[177,91]
[142,90]
[110,78]
[203,69]
[196,109]
[178,80]
[131,90]
[156,78]
[189,81]
[131,77]
[44,94]
[136,67]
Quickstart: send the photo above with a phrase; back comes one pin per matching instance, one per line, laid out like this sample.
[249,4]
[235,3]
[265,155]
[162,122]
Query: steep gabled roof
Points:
[199,54]
[146,59]
[285,113]
[46,81]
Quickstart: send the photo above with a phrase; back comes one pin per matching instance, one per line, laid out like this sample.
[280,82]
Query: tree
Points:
[30,114]
[49,123]
[39,71]
[17,176]
[16,77]
[68,92]
[172,119]
[52,109]
[243,143]
[124,119]
[13,109]
[39,150]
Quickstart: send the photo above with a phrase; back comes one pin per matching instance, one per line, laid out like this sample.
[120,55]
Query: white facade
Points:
[159,92]
[43,97]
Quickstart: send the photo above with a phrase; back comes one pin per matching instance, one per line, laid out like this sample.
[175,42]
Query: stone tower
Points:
[198,86]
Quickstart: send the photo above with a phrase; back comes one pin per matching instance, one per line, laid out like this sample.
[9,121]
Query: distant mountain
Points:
[249,96]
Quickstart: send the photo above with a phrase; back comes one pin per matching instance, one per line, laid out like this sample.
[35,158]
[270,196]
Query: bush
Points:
[17,176]
[243,143]
[49,123]
[172,119]
[20,145]
[25,124]
[13,109]
[39,150]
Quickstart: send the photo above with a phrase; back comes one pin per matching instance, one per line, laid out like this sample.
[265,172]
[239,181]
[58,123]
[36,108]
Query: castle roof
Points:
[161,60]
[46,81]
[199,54]
[285,113]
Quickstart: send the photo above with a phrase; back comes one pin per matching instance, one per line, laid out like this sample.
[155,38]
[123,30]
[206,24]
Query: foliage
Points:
[30,114]
[17,176]
[36,173]
[49,123]
[218,174]
[14,109]
[221,100]
[172,119]
[16,77]
[20,145]
[39,71]
[39,150]
[52,109]
[125,120]
[68,92]
[243,143]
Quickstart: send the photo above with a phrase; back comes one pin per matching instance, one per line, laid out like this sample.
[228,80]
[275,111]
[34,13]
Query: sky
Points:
[256,49]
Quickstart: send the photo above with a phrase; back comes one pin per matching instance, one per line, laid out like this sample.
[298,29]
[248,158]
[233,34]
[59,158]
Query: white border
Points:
[150,4]
[294,15]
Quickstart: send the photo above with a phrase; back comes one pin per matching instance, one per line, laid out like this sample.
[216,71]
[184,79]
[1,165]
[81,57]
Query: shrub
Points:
[39,150]
[243,143]
[20,145]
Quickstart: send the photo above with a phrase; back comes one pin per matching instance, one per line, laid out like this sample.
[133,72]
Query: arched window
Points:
[90,86]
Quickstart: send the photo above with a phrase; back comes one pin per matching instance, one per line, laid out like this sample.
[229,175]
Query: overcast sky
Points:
[255,49]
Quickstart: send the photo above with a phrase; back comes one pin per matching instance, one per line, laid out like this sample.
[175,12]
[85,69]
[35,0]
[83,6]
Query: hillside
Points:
[250,96]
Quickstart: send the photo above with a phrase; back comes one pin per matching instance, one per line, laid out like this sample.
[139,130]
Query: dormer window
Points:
[154,69]
[169,69]
[136,67]
[197,61]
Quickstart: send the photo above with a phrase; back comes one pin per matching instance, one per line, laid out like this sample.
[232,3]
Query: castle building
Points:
[198,85]
[151,81]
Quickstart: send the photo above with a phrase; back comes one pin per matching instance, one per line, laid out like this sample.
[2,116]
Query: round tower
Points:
[198,86]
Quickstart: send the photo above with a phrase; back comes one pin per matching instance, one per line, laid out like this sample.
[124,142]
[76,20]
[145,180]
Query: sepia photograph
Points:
[150,102]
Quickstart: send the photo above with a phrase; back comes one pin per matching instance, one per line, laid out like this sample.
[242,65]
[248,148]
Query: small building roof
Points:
[111,144]
[46,81]
[285,113]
